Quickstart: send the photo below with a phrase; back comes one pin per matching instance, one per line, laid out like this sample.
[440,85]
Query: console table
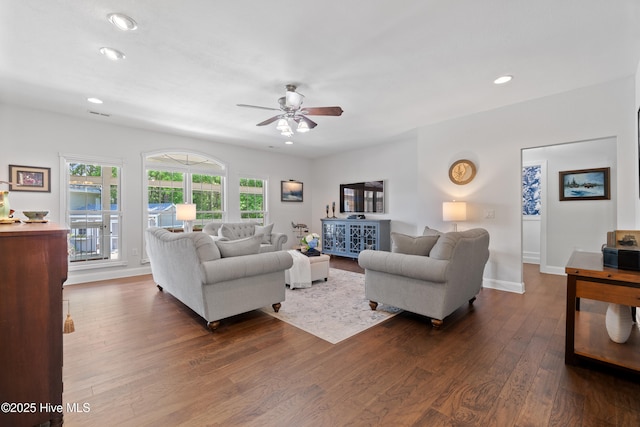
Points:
[586,334]
[349,237]
[33,267]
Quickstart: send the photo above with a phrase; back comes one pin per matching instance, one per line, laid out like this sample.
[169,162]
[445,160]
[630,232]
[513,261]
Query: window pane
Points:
[93,212]
[252,199]
[164,190]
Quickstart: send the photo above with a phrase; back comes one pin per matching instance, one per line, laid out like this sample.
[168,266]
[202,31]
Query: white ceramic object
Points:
[619,322]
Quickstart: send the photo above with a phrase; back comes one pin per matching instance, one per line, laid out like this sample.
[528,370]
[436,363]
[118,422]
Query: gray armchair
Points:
[432,275]
[214,277]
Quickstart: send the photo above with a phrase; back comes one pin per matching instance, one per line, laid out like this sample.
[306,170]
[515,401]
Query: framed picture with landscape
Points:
[291,191]
[585,184]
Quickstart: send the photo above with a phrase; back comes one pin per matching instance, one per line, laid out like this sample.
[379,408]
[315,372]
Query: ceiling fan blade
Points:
[269,121]
[310,122]
[322,111]
[256,106]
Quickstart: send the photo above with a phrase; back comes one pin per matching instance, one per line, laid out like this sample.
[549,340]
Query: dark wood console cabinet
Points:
[33,267]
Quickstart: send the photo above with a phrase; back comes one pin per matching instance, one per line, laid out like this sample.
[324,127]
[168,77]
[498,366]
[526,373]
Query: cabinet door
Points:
[334,237]
[363,236]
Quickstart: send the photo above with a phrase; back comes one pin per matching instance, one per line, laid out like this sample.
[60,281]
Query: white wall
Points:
[35,138]
[417,167]
[394,162]
[572,225]
[414,166]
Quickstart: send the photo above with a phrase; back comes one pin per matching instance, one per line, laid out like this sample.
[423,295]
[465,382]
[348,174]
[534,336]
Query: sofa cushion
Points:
[239,247]
[226,231]
[420,245]
[265,231]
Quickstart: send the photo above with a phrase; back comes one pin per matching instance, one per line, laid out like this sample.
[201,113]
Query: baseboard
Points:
[84,276]
[549,269]
[531,257]
[502,285]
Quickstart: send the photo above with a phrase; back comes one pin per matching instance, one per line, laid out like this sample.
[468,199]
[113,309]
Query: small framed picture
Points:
[585,184]
[291,191]
[29,178]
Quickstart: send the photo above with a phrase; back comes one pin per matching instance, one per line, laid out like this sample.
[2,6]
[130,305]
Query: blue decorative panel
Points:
[531,188]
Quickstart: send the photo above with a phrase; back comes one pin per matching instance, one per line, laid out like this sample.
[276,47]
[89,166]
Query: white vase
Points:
[619,322]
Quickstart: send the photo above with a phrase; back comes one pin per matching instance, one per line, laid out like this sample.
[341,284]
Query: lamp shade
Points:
[185,212]
[454,211]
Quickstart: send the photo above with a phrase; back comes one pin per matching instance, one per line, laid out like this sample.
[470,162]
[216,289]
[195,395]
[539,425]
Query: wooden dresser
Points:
[33,267]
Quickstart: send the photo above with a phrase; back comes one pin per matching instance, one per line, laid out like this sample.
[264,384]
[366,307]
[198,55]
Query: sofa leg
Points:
[472,300]
[436,323]
[213,325]
[276,307]
[373,305]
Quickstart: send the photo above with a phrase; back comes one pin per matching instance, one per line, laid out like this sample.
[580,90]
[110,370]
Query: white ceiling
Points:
[391,66]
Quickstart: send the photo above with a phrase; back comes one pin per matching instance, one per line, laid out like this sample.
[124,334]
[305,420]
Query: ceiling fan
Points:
[292,111]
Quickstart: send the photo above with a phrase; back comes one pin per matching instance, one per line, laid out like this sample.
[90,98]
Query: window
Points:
[173,178]
[252,199]
[93,212]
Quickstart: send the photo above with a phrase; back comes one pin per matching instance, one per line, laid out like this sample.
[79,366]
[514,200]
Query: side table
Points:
[586,335]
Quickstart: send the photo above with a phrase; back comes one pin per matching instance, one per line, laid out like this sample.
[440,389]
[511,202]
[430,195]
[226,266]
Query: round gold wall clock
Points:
[462,172]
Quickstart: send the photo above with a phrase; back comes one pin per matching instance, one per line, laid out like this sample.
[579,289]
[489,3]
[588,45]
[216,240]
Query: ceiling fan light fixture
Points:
[112,54]
[283,125]
[293,99]
[122,21]
[303,127]
[287,133]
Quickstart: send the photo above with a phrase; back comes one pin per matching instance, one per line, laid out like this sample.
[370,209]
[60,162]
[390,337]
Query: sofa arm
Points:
[224,269]
[417,267]
[278,240]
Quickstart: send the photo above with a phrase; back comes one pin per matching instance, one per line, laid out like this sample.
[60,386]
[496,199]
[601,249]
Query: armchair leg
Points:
[159,288]
[276,307]
[213,325]
[436,323]
[472,300]
[373,305]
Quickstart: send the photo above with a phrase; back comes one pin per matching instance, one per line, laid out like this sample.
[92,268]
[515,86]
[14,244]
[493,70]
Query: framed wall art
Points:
[291,191]
[585,184]
[30,178]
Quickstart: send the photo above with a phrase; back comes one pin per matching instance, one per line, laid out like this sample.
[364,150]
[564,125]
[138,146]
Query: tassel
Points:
[68,324]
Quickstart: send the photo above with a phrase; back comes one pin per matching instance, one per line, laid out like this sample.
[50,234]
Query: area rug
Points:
[333,310]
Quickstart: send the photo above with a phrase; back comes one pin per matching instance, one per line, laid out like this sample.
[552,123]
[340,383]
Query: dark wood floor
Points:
[140,358]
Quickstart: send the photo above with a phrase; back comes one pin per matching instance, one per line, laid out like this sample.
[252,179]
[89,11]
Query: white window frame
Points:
[265,195]
[65,159]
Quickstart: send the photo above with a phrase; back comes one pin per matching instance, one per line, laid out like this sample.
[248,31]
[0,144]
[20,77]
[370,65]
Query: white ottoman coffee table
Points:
[319,266]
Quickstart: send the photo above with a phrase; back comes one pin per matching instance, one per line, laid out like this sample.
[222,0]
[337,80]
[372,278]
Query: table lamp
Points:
[186,212]
[454,211]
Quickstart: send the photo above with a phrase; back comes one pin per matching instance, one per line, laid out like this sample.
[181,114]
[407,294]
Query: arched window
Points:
[183,177]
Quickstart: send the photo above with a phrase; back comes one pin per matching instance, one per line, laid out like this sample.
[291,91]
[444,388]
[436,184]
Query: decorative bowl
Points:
[35,215]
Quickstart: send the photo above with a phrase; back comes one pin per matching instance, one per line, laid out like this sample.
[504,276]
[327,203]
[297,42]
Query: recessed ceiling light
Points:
[122,21]
[112,54]
[503,79]
[289,142]
[94,100]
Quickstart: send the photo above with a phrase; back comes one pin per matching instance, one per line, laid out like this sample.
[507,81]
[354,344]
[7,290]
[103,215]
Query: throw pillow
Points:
[430,232]
[410,245]
[240,247]
[266,231]
[228,232]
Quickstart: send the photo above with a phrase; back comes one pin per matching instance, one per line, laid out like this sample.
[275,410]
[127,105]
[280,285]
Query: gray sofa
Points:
[239,230]
[217,278]
[432,275]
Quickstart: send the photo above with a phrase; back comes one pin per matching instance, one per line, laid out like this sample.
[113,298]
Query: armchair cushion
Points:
[417,267]
[239,247]
[420,245]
